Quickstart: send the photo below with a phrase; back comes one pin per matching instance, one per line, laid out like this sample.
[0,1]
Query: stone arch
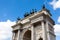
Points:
[27,35]
[40,38]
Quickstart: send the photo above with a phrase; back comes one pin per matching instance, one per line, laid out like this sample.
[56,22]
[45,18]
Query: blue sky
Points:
[11,9]
[15,8]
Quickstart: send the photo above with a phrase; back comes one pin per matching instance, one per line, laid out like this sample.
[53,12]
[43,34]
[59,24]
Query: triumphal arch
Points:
[35,26]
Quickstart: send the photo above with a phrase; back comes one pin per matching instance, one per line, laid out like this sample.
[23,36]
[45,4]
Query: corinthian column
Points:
[18,38]
[48,36]
[32,32]
[43,30]
[13,36]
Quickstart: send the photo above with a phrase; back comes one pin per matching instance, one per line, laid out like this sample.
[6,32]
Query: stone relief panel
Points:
[37,19]
[16,27]
[38,31]
[26,26]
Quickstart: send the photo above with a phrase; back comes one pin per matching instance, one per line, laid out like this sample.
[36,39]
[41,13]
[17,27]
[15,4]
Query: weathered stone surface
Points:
[38,26]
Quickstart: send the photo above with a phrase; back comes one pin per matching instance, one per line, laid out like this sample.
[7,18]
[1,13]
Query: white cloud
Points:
[55,4]
[5,29]
[57,29]
[59,19]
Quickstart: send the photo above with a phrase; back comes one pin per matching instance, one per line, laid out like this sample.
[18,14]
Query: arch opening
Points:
[40,38]
[27,35]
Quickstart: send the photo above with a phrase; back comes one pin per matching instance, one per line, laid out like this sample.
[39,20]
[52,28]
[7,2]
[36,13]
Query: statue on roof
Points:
[26,14]
[43,6]
[45,9]
[18,18]
[33,11]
